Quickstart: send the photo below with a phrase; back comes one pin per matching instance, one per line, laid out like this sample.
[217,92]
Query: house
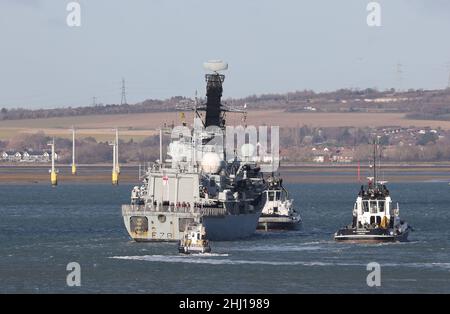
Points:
[342,158]
[26,156]
[9,156]
[319,159]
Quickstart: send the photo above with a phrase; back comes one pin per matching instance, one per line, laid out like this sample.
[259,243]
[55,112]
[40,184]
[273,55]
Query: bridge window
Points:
[373,207]
[365,206]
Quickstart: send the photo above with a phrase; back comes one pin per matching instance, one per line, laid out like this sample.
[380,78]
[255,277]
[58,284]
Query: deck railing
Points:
[143,209]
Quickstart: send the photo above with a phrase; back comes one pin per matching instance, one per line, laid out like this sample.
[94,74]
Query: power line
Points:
[123,101]
[399,73]
[448,69]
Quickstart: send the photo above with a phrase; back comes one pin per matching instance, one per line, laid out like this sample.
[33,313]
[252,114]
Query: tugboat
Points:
[375,220]
[194,240]
[278,212]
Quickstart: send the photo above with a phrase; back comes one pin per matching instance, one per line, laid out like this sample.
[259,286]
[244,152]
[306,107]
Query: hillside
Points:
[417,104]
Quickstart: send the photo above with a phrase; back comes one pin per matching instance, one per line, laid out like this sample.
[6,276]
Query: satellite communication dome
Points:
[215,65]
[247,150]
[211,163]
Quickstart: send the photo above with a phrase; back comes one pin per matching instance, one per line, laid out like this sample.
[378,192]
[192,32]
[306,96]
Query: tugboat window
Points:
[271,196]
[366,206]
[381,206]
[373,207]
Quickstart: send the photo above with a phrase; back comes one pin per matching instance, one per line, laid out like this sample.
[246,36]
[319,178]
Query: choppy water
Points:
[42,229]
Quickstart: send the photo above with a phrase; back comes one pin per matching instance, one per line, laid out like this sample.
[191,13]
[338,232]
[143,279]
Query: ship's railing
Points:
[143,209]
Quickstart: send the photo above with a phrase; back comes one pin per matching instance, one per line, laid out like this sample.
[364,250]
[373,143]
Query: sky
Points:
[271,46]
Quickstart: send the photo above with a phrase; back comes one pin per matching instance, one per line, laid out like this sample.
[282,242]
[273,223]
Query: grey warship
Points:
[197,183]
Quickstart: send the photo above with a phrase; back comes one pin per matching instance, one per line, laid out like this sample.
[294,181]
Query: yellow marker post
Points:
[115,178]
[53,171]
[117,152]
[54,178]
[74,167]
[115,174]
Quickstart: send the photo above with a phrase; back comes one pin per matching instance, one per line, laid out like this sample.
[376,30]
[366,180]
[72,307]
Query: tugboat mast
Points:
[375,163]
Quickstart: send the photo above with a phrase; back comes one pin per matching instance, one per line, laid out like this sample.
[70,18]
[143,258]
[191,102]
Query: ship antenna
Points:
[379,160]
[244,117]
[195,102]
[374,163]
[160,147]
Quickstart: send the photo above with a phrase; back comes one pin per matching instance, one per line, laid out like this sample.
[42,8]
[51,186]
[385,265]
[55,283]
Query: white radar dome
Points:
[211,163]
[215,65]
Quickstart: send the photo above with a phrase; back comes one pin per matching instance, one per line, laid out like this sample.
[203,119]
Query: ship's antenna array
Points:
[123,101]
[160,146]
[74,167]
[375,180]
[244,115]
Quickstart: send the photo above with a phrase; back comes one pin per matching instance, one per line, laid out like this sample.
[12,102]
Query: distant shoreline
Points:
[291,173]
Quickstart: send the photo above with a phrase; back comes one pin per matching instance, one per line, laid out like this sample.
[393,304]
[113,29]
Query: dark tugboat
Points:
[375,219]
[278,212]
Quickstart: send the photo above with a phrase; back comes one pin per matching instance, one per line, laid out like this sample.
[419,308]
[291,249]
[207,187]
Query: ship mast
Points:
[214,81]
[375,163]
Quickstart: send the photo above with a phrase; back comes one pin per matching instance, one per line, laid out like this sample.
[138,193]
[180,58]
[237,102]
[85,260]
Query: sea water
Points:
[42,229]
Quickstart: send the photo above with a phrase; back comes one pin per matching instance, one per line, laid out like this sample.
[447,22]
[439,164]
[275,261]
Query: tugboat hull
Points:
[369,236]
[279,223]
[194,250]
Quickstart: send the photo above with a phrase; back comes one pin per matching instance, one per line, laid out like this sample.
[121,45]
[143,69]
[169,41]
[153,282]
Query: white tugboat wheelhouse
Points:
[278,212]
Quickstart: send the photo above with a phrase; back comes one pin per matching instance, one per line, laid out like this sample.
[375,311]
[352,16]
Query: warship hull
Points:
[230,227]
[369,236]
[154,226]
